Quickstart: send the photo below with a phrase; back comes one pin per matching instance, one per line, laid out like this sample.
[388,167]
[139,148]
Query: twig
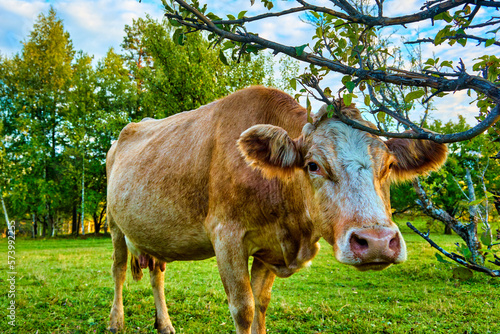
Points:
[455,257]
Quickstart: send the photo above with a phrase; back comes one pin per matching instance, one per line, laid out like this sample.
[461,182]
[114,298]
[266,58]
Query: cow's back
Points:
[165,176]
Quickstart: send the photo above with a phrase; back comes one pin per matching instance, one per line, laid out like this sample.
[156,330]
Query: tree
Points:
[175,73]
[345,42]
[34,87]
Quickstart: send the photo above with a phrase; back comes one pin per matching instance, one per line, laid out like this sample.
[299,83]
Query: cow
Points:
[249,176]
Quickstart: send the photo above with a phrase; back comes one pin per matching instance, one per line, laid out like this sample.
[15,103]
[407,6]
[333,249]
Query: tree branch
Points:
[442,83]
[457,36]
[455,257]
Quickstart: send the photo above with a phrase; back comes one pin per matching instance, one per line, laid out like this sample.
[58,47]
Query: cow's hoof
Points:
[167,330]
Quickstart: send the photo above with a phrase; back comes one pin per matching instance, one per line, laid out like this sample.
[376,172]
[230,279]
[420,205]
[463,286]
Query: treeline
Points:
[61,110]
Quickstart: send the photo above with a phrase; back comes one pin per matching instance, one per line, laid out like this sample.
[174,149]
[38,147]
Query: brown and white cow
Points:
[248,176]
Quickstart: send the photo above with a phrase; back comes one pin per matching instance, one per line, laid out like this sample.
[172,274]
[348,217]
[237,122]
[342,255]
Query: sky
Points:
[97,25]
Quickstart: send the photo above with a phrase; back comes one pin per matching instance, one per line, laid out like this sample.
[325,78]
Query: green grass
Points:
[65,286]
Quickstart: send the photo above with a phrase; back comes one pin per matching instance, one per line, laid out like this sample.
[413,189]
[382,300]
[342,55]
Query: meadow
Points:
[64,285]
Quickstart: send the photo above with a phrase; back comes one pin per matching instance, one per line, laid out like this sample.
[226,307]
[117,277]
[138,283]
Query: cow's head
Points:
[349,173]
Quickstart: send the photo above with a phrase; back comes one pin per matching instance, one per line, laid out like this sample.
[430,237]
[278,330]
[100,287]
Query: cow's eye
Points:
[313,167]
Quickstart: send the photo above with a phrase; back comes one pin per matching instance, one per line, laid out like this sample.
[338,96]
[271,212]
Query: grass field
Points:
[65,286]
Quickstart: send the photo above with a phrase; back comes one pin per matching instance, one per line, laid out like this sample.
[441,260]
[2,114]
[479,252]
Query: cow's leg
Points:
[157,278]
[232,261]
[119,270]
[262,282]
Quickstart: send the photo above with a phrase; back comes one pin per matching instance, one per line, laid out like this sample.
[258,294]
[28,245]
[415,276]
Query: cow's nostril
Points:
[359,242]
[394,243]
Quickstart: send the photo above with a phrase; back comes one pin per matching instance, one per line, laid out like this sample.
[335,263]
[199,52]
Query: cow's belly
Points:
[168,241]
[165,228]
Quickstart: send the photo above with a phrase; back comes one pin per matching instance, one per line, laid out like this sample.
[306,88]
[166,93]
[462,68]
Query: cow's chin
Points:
[376,266]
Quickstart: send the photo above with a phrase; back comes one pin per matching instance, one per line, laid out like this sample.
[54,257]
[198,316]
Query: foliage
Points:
[60,110]
[71,290]
[346,40]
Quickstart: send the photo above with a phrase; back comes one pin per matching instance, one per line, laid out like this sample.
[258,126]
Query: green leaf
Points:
[440,258]
[381,117]
[486,238]
[242,14]
[476,202]
[447,17]
[414,95]
[446,63]
[223,58]
[174,23]
[462,273]
[462,41]
[342,43]
[327,91]
[299,50]
[346,78]
[347,99]
[489,42]
[231,17]
[350,86]
[367,100]
[178,37]
[293,83]
[308,108]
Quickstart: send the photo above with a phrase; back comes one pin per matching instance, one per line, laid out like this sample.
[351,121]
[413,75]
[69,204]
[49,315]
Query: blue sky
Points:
[96,25]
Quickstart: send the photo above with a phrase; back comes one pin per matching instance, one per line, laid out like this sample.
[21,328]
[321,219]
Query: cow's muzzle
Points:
[376,248]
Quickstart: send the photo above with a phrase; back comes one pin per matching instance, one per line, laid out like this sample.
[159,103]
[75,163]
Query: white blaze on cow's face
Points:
[349,171]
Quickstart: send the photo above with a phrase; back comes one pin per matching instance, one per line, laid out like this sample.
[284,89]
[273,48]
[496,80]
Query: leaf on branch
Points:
[308,108]
[381,117]
[486,238]
[223,58]
[367,100]
[347,99]
[242,14]
[293,83]
[299,50]
[476,202]
[489,42]
[252,2]
[350,86]
[414,95]
[327,91]
[178,37]
[441,259]
[462,273]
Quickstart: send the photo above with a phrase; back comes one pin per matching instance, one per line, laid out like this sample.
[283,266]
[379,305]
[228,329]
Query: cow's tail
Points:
[135,268]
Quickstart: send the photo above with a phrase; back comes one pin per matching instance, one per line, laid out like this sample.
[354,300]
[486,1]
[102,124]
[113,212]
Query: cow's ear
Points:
[270,149]
[414,157]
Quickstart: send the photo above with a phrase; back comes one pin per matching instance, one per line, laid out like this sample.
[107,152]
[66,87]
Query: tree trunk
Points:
[9,227]
[44,229]
[78,225]
[447,230]
[83,195]
[34,226]
[74,223]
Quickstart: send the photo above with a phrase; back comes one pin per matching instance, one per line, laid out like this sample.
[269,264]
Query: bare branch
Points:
[455,257]
[457,36]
